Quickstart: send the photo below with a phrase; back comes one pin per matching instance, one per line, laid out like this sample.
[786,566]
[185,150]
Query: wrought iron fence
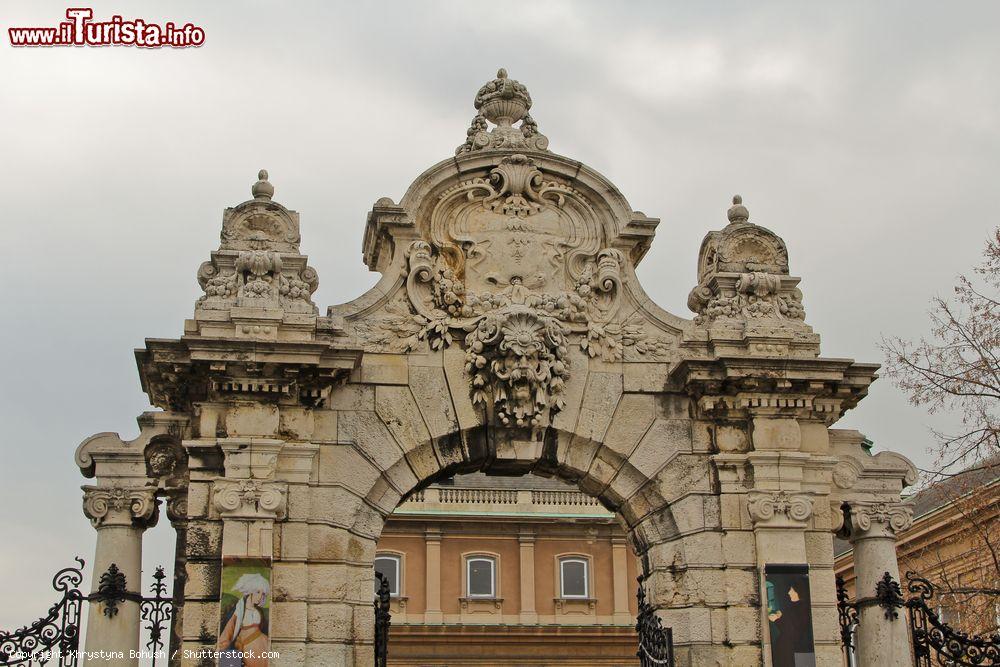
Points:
[656,643]
[54,639]
[934,641]
[382,620]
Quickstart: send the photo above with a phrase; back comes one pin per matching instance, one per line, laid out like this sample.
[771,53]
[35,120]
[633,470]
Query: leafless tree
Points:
[957,368]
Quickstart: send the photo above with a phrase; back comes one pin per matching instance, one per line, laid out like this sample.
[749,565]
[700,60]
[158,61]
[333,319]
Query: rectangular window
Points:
[573,576]
[481,573]
[388,567]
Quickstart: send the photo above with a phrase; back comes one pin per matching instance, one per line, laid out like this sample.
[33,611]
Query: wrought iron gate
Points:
[382,620]
[54,639]
[656,643]
[934,641]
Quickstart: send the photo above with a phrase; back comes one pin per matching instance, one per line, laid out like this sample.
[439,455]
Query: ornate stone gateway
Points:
[508,334]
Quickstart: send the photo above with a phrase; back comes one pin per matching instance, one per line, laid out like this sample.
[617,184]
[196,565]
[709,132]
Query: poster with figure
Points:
[244,628]
[789,615]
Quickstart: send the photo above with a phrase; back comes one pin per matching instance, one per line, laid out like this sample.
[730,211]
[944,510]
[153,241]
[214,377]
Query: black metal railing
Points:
[936,641]
[656,643]
[55,638]
[847,614]
[383,619]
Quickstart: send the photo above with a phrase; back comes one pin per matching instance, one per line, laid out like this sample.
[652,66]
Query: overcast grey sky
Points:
[866,134]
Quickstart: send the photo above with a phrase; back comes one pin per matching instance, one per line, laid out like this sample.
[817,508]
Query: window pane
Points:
[388,568]
[574,578]
[480,576]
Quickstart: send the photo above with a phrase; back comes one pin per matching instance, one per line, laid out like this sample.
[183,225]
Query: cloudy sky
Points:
[866,134]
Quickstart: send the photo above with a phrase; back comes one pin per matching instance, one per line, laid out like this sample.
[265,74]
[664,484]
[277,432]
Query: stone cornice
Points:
[107,455]
[177,373]
[733,388]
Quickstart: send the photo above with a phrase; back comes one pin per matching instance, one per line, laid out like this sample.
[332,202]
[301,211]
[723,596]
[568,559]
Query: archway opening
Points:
[508,570]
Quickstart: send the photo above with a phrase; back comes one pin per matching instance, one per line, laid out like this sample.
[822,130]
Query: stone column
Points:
[529,615]
[177,513]
[432,540]
[120,514]
[619,561]
[882,638]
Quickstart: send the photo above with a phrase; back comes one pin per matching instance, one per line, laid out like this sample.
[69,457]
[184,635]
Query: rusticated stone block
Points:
[330,621]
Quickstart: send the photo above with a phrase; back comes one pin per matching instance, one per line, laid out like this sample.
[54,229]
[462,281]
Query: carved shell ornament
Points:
[517,260]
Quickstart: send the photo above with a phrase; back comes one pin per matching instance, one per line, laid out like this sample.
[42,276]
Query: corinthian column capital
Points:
[879,519]
[118,505]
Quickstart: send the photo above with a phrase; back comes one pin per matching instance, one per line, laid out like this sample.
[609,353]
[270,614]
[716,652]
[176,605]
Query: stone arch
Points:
[646,514]
[642,463]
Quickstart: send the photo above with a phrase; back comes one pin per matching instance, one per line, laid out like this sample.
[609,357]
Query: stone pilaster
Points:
[620,583]
[882,637]
[248,498]
[526,541]
[432,541]
[177,513]
[120,514]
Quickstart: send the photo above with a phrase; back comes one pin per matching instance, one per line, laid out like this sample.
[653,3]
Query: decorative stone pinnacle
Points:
[262,189]
[503,102]
[738,212]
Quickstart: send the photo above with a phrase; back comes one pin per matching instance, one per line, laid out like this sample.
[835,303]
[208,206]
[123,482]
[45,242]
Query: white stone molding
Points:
[250,499]
[120,505]
[251,457]
[776,508]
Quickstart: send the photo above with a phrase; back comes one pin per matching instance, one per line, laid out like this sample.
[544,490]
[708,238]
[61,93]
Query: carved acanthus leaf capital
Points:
[777,508]
[250,498]
[120,505]
[878,518]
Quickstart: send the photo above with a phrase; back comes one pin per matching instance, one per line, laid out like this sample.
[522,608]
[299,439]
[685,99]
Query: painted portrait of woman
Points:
[243,636]
[789,615]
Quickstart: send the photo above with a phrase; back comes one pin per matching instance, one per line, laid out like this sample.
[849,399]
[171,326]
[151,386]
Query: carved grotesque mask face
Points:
[522,341]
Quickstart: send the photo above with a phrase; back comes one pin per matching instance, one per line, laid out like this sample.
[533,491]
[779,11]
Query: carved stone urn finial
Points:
[262,189]
[503,102]
[738,213]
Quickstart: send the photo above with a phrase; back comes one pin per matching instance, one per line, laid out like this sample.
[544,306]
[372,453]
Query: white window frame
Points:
[399,572]
[586,577]
[492,560]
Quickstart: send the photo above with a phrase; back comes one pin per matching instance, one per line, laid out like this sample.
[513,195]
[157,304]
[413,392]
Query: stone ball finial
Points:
[262,189]
[501,73]
[738,212]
